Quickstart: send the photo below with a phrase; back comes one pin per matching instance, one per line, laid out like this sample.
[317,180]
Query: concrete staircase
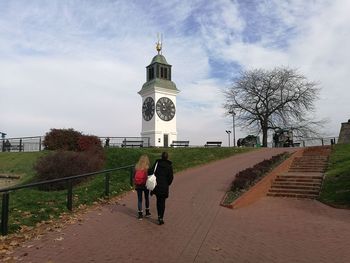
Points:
[305,175]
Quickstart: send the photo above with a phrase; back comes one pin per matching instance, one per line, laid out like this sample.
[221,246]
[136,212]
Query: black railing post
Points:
[20,144]
[39,144]
[107,177]
[70,196]
[322,141]
[5,213]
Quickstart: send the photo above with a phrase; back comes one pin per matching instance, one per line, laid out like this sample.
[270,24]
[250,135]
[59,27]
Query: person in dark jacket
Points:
[164,175]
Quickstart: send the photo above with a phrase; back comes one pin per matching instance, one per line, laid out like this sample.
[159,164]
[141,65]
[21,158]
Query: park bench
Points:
[213,144]
[16,147]
[129,143]
[180,144]
[13,147]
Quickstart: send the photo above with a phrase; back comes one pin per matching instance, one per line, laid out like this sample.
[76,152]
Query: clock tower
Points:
[159,102]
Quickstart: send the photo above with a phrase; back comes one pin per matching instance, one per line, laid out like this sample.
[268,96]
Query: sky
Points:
[80,63]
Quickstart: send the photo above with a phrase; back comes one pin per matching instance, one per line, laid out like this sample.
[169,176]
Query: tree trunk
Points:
[264,142]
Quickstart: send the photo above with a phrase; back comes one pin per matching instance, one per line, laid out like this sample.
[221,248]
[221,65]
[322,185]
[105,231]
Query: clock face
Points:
[148,109]
[165,109]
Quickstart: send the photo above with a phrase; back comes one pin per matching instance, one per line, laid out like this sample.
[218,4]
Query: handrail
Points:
[13,188]
[6,191]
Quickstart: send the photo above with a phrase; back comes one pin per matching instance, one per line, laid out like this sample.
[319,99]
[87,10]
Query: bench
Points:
[213,144]
[16,147]
[13,147]
[127,143]
[180,144]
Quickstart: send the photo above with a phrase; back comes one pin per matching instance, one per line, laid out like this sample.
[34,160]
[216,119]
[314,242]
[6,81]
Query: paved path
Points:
[197,229]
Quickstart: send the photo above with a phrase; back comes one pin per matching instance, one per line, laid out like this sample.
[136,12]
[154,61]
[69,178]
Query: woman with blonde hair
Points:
[140,178]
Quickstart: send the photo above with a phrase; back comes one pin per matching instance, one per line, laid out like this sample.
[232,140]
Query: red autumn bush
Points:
[62,139]
[89,142]
[63,164]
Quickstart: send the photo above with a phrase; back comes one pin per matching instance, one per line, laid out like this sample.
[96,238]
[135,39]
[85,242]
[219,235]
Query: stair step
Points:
[292,195]
[305,157]
[296,187]
[299,180]
[286,183]
[301,173]
[308,165]
[307,168]
[300,177]
[306,172]
[304,160]
[293,191]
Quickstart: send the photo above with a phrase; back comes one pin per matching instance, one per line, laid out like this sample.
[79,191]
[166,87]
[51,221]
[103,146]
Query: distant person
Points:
[287,142]
[164,175]
[7,146]
[107,142]
[140,177]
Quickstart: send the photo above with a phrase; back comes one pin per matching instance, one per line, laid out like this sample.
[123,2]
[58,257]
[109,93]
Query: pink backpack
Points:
[140,177]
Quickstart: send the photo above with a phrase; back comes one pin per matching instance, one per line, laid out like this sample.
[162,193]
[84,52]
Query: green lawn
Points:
[19,163]
[30,206]
[336,186]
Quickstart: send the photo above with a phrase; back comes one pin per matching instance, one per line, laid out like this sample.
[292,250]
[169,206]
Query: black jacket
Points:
[164,175]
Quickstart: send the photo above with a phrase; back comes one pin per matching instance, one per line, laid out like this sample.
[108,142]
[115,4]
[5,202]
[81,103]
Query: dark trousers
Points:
[139,198]
[160,206]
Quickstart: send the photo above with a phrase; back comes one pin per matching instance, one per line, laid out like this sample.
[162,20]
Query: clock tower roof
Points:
[159,59]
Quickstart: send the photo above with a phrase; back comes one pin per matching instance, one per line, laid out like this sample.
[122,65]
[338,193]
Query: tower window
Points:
[150,73]
[163,73]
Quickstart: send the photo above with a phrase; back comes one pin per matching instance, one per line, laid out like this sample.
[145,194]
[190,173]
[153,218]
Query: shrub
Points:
[89,142]
[64,164]
[248,176]
[62,139]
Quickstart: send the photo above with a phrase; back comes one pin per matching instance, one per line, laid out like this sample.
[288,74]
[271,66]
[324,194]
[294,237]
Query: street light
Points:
[233,127]
[228,132]
[3,135]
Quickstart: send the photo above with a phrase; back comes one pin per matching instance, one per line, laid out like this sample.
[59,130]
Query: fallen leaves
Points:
[10,242]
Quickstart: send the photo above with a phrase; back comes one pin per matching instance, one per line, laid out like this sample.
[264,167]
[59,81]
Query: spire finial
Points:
[159,43]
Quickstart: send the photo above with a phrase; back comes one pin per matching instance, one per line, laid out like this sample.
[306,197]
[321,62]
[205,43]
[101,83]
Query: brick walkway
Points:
[197,229]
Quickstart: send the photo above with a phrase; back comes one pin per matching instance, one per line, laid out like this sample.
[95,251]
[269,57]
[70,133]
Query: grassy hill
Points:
[31,206]
[336,186]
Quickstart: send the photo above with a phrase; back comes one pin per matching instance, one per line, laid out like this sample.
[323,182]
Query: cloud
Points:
[317,45]
[80,63]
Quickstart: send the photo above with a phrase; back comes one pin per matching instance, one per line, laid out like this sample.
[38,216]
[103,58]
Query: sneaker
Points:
[140,216]
[148,214]
[160,221]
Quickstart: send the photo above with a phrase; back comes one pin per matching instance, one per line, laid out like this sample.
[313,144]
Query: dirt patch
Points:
[261,188]
[7,180]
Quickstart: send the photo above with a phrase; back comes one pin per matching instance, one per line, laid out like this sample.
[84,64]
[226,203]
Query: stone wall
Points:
[344,135]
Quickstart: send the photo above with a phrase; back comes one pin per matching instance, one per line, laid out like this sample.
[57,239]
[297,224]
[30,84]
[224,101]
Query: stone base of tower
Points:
[160,138]
[344,135]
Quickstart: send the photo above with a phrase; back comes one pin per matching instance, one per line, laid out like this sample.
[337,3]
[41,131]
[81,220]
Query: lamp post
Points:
[233,127]
[228,133]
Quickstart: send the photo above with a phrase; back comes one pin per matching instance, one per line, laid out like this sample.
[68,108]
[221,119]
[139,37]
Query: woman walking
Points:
[164,175]
[140,177]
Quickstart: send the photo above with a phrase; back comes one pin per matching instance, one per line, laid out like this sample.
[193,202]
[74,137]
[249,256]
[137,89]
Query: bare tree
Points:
[271,99]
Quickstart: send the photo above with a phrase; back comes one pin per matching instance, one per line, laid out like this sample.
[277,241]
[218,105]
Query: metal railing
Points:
[35,143]
[6,191]
[22,144]
[316,141]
